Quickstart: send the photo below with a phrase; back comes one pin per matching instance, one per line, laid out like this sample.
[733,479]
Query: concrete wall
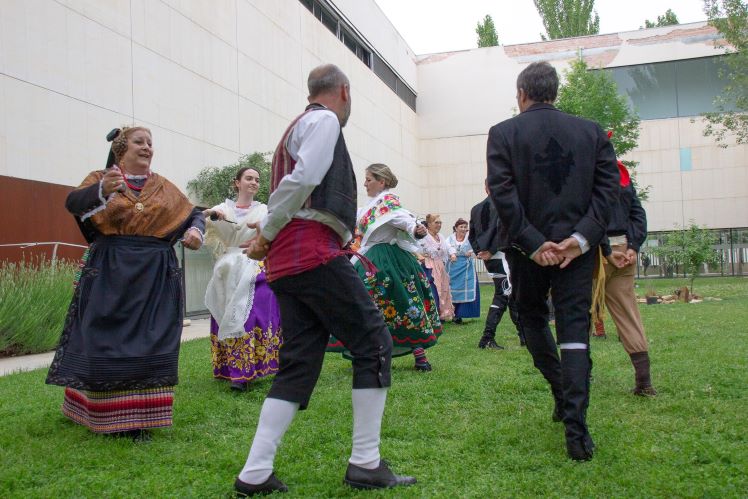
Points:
[462,94]
[213,80]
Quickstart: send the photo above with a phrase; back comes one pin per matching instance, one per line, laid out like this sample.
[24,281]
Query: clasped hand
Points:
[619,259]
[256,248]
[560,254]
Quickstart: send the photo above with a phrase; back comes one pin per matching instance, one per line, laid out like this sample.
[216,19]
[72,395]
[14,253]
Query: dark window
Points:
[385,73]
[349,41]
[344,32]
[671,89]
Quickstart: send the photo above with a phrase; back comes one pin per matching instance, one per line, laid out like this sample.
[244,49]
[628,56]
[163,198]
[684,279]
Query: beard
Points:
[346,114]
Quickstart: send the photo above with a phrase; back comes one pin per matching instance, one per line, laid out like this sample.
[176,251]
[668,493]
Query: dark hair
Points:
[539,80]
[241,171]
[460,221]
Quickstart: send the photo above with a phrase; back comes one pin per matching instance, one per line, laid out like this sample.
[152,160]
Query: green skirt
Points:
[402,293]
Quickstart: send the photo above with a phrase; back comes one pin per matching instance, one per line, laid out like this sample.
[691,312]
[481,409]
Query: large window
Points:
[671,89]
[343,31]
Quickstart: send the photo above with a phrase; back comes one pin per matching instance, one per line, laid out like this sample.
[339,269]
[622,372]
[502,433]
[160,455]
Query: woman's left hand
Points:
[191,239]
[452,258]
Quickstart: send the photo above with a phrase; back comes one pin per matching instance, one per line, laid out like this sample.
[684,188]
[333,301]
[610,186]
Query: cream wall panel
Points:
[215,16]
[178,99]
[168,32]
[261,129]
[261,40]
[114,14]
[58,49]
[50,137]
[465,93]
[283,13]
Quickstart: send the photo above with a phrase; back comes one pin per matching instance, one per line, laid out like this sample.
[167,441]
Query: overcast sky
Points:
[445,25]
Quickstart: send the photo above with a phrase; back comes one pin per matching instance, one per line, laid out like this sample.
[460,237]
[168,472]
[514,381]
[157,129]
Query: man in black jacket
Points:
[484,239]
[553,179]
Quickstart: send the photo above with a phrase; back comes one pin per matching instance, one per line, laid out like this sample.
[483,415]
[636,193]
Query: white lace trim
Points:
[103,204]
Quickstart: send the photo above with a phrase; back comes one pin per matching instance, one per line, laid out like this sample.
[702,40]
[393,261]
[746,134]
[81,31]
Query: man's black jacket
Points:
[550,175]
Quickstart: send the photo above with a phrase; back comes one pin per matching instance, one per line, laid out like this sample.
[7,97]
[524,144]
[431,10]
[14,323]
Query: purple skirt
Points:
[255,354]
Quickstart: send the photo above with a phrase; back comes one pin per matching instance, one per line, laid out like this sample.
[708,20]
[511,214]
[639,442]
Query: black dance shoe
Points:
[422,366]
[239,386]
[580,448]
[490,345]
[378,478]
[272,484]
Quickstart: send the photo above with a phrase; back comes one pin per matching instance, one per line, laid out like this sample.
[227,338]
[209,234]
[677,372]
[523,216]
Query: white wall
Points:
[213,80]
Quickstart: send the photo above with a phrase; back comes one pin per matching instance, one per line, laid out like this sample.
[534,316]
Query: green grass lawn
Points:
[477,426]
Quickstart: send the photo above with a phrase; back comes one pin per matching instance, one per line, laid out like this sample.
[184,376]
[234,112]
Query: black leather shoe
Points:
[580,449]
[272,484]
[378,478]
[490,345]
[423,366]
[239,386]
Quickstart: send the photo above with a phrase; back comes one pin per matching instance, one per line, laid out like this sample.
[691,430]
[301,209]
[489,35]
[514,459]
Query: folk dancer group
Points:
[555,193]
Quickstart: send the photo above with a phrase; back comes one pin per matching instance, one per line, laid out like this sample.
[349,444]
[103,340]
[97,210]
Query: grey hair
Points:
[382,172]
[325,78]
[539,80]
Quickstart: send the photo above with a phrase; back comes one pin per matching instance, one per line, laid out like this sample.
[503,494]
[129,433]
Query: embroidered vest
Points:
[337,191]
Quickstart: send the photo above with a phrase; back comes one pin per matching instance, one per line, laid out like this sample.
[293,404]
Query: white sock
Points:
[275,417]
[368,408]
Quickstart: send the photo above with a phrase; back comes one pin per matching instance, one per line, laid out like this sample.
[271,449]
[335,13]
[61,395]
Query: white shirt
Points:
[312,145]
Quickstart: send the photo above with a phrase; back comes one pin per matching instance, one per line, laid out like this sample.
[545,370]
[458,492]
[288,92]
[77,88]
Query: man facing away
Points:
[484,239]
[311,215]
[553,179]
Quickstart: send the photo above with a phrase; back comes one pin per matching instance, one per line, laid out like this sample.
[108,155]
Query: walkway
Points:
[198,328]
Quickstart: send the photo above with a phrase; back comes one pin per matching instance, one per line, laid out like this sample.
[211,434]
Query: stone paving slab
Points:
[198,328]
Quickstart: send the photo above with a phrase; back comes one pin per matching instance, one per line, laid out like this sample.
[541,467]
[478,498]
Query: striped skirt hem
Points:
[116,411]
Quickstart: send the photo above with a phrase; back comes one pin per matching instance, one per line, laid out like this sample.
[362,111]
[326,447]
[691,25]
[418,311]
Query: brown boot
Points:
[644,387]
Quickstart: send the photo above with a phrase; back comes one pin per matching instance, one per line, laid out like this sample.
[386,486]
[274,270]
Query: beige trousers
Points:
[622,306]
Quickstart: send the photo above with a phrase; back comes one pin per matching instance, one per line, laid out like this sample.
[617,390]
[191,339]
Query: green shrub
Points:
[34,297]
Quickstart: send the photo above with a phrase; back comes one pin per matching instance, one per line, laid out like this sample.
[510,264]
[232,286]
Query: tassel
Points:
[597,310]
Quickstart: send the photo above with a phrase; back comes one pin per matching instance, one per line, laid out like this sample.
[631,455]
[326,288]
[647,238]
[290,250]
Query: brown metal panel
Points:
[35,211]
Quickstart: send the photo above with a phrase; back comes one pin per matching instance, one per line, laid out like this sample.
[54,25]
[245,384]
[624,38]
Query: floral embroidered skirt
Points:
[401,291]
[255,354]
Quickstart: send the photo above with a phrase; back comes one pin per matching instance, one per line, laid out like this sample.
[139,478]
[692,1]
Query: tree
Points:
[213,184]
[690,247]
[486,32]
[668,19]
[567,18]
[594,95]
[730,17]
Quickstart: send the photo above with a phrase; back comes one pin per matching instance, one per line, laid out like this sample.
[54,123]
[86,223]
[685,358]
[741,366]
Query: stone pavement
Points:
[198,328]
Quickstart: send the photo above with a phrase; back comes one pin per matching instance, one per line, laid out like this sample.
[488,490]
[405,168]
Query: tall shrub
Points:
[34,297]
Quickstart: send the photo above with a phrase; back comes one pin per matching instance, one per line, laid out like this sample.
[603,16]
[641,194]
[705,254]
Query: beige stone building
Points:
[221,78]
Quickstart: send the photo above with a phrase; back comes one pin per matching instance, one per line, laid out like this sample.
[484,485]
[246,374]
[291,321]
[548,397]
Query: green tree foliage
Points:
[730,17]
[213,184]
[689,247]
[567,18]
[486,32]
[594,95]
[667,19]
